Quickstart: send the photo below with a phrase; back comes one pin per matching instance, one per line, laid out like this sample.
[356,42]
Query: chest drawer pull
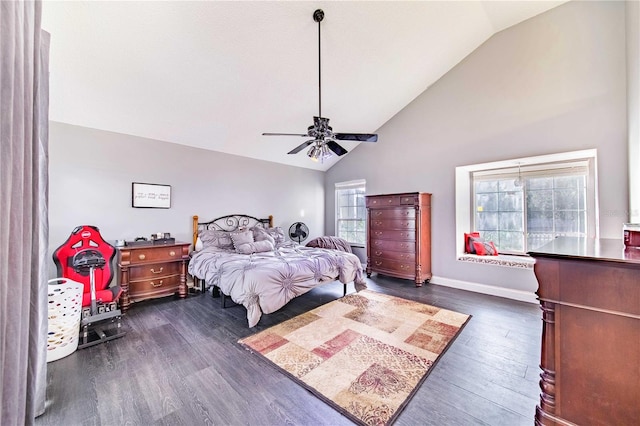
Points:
[378,233]
[172,253]
[156,285]
[142,257]
[378,212]
[378,253]
[404,267]
[153,271]
[378,263]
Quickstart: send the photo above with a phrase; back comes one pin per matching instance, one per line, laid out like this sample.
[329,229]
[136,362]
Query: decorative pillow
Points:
[485,248]
[240,238]
[255,247]
[199,245]
[216,238]
[261,234]
[278,235]
[468,243]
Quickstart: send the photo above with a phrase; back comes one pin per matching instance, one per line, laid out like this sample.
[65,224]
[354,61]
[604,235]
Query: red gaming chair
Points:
[87,258]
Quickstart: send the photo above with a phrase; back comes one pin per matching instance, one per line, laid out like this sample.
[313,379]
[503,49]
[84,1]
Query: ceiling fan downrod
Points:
[318,16]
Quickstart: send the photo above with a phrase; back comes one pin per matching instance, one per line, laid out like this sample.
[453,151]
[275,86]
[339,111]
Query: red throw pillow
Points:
[485,248]
[468,242]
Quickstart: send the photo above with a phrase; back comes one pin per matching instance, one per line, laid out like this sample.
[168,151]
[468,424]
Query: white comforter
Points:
[264,282]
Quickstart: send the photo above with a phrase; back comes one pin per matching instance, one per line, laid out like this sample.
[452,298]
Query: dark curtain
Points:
[24,97]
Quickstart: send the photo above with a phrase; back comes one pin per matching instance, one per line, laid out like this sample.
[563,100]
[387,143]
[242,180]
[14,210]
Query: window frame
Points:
[465,201]
[350,185]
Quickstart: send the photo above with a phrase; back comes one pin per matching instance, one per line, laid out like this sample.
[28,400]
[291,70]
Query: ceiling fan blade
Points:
[300,147]
[359,137]
[284,134]
[337,149]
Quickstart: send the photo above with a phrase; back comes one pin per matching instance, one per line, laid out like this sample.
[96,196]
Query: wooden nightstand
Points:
[153,270]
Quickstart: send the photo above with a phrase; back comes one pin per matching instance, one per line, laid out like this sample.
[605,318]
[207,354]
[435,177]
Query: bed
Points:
[264,274]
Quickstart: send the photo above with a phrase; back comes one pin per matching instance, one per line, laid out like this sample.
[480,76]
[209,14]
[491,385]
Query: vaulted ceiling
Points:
[216,75]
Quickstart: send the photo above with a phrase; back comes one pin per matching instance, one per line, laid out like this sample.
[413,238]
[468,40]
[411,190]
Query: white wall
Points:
[633,116]
[91,171]
[554,83]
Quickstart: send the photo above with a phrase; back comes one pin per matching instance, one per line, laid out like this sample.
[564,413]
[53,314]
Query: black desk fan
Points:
[298,232]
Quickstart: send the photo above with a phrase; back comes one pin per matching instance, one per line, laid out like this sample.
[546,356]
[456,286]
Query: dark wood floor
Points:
[180,364]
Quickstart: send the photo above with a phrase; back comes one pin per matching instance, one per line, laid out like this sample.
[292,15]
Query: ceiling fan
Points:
[323,139]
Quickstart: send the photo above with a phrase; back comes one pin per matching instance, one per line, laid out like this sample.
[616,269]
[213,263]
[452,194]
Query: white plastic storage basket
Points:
[65,306]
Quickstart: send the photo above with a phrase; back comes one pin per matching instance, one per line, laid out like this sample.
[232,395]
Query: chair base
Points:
[92,334]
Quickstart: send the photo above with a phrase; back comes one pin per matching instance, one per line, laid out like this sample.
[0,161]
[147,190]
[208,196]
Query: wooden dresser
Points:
[399,235]
[150,271]
[589,292]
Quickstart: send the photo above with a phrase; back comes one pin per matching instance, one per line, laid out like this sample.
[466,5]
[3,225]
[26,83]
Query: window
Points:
[524,203]
[351,213]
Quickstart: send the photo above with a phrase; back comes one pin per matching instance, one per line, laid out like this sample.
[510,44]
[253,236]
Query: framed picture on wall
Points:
[150,195]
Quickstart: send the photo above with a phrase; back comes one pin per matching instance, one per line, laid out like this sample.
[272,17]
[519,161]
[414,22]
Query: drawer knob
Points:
[172,253]
[153,271]
[142,257]
[156,285]
[378,233]
[390,201]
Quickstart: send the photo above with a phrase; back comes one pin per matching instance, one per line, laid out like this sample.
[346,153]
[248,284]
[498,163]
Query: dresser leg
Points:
[182,288]
[124,284]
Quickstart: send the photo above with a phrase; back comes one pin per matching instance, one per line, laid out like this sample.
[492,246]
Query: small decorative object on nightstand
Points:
[150,271]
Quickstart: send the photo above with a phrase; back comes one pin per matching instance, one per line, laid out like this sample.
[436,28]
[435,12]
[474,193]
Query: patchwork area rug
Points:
[364,354]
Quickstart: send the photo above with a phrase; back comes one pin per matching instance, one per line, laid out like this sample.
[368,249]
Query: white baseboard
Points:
[521,295]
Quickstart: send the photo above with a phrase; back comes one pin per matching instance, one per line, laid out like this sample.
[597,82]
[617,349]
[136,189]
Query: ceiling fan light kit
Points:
[323,139]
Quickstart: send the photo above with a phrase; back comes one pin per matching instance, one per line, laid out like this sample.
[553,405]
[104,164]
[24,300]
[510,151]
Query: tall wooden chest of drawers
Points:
[151,271]
[399,235]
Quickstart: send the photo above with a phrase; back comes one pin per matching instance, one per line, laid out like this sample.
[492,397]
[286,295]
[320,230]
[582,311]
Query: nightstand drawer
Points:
[154,271]
[154,254]
[160,287]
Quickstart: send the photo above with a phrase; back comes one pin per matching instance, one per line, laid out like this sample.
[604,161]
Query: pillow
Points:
[261,234]
[278,235]
[199,245]
[485,248]
[216,238]
[240,238]
[255,247]
[468,243]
